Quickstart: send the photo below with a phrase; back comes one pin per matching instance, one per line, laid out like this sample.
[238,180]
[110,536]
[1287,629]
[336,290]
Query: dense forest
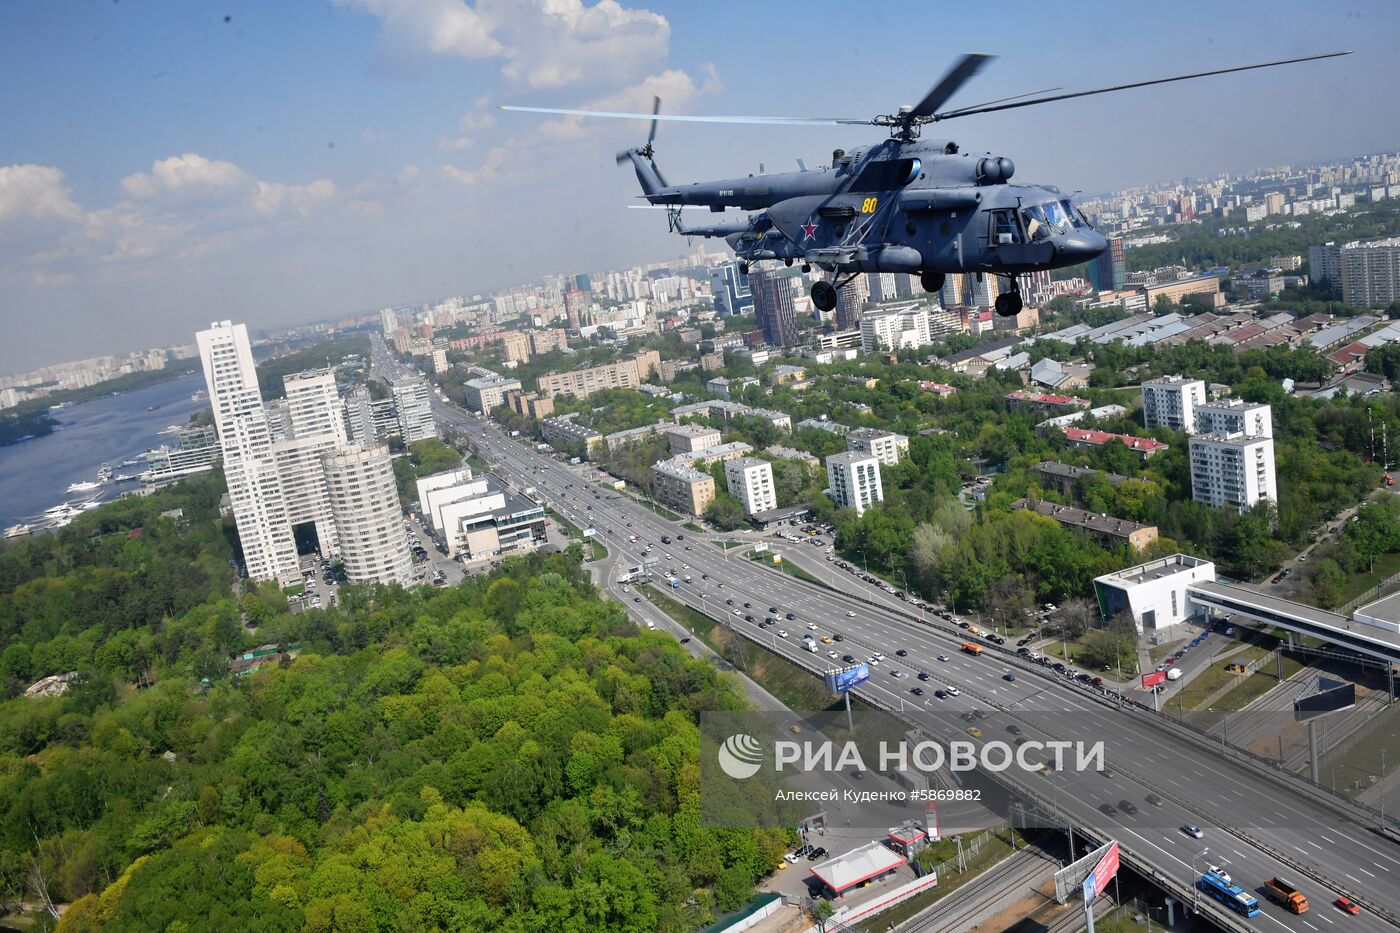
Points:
[510,754]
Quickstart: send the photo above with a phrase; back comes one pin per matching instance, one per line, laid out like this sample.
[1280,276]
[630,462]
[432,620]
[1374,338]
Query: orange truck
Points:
[1286,895]
[971,648]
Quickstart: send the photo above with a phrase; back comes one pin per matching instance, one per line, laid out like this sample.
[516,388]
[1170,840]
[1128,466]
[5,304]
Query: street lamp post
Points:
[1195,888]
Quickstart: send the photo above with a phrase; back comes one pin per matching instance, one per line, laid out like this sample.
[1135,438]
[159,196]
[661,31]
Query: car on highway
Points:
[782,633]
[791,617]
[917,691]
[898,674]
[833,655]
[943,658]
[850,615]
[1128,807]
[1193,831]
[1014,729]
[901,653]
[941,694]
[1346,905]
[953,691]
[1008,676]
[1153,799]
[1108,809]
[849,659]
[873,662]
[923,675]
[975,732]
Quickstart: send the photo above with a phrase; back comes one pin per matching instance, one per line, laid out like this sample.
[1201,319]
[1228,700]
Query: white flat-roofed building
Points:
[314,405]
[413,402]
[750,480]
[854,479]
[1171,402]
[1235,416]
[487,392]
[887,446]
[778,419]
[250,469]
[1154,594]
[1233,470]
[426,484]
[365,502]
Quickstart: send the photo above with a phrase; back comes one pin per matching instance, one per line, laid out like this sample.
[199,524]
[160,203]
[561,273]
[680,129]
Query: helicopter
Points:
[907,204]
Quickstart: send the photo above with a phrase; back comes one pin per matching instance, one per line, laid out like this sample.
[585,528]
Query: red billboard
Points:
[1153,678]
[1105,869]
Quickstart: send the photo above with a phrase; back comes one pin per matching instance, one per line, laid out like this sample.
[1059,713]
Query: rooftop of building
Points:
[873,434]
[746,463]
[1132,442]
[1082,518]
[691,430]
[1045,398]
[680,470]
[1157,569]
[1236,439]
[852,456]
[1069,471]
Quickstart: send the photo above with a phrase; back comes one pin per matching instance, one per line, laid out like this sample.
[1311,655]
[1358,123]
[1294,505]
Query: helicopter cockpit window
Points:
[1037,228]
[1057,217]
[1076,215]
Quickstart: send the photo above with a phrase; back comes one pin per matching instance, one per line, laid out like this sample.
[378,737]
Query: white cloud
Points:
[542,43]
[455,143]
[35,192]
[489,169]
[368,135]
[444,27]
[188,176]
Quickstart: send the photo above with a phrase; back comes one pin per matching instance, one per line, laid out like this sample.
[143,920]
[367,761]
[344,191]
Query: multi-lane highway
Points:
[1254,827]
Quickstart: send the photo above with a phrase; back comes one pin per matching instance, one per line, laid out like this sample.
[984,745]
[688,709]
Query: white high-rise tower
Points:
[250,469]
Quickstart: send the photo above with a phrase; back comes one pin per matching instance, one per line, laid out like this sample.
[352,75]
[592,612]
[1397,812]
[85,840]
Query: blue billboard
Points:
[843,680]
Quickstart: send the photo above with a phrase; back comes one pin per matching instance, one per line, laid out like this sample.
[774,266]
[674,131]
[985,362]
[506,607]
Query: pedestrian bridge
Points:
[1373,630]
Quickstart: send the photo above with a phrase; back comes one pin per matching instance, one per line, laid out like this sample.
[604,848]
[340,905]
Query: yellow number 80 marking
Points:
[868,205]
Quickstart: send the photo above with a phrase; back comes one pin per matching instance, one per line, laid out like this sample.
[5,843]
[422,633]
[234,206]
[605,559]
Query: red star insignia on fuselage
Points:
[810,229]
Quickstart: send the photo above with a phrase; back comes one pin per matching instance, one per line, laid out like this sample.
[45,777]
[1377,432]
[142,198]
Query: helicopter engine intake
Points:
[995,170]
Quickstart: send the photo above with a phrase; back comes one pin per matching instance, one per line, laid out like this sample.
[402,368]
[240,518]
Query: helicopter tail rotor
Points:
[649,175]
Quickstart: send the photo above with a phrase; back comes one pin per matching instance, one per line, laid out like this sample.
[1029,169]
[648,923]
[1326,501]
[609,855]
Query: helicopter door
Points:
[1009,243]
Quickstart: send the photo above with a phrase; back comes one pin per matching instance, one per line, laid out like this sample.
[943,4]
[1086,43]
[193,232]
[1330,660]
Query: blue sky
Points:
[166,164]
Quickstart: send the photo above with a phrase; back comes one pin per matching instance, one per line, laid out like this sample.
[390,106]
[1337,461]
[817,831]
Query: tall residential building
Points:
[1232,470]
[413,401]
[388,321]
[1371,273]
[730,288]
[881,286]
[250,470]
[365,502]
[854,480]
[1171,402]
[313,405]
[1325,264]
[1235,416]
[896,329]
[985,289]
[885,446]
[624,374]
[848,304]
[750,480]
[774,301]
[954,293]
[1108,272]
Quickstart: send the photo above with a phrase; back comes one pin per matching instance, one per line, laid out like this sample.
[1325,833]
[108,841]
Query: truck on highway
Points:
[1286,895]
[809,643]
[972,648]
[1174,674]
[675,583]
[620,484]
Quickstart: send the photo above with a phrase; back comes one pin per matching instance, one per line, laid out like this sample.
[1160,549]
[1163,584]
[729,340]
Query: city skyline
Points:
[374,170]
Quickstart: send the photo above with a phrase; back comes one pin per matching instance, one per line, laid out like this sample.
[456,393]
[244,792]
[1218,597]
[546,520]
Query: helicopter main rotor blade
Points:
[1002,100]
[655,111]
[691,118]
[969,111]
[957,76]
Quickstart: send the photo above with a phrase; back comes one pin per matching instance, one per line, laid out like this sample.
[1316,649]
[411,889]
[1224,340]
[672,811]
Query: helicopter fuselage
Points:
[920,206]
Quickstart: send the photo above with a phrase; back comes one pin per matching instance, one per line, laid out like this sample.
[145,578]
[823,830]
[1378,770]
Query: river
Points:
[35,474]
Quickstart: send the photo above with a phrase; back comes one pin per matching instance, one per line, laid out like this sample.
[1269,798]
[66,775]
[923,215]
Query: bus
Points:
[1224,890]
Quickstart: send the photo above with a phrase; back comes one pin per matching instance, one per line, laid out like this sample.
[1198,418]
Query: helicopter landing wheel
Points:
[788,262]
[823,295]
[1009,305]
[806,267]
[932,281]
[743,268]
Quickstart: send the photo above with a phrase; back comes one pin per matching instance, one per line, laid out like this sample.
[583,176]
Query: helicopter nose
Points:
[1079,246]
